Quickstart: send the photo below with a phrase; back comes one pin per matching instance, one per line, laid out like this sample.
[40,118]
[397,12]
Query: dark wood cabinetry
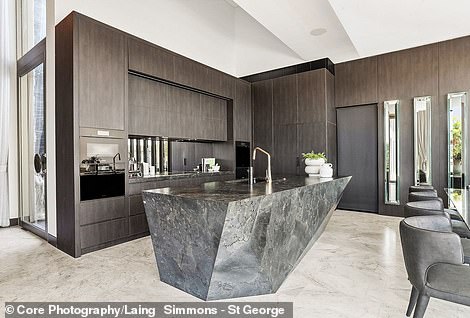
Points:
[109,80]
[151,60]
[285,98]
[290,117]
[94,211]
[356,82]
[160,109]
[262,94]
[242,111]
[192,74]
[102,75]
[95,236]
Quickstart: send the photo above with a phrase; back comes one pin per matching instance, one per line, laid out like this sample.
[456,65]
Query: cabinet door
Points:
[285,100]
[262,121]
[139,109]
[285,157]
[151,60]
[102,75]
[221,83]
[242,112]
[213,118]
[101,233]
[183,110]
[311,105]
[311,136]
[191,73]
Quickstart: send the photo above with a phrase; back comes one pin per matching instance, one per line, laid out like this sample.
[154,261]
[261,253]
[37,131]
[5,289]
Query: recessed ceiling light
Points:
[318,31]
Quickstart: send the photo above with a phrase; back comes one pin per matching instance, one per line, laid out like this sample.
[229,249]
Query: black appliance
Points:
[242,159]
[101,185]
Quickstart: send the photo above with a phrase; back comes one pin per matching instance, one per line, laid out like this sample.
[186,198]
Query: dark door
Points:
[357,156]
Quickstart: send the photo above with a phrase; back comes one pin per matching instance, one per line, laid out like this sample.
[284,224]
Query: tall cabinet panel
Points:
[311,130]
[242,111]
[285,157]
[291,117]
[262,93]
[102,75]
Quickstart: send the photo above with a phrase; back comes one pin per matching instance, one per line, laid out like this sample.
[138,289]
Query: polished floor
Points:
[354,270]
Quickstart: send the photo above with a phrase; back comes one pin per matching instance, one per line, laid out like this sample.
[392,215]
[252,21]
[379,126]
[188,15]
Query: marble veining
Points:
[224,240]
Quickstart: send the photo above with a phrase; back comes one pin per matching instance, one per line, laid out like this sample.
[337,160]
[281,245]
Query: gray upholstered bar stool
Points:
[432,195]
[435,206]
[423,196]
[423,208]
[434,262]
[421,188]
[414,208]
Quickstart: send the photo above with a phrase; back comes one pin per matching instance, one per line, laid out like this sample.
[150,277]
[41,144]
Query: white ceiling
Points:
[243,37]
[292,21]
[376,27]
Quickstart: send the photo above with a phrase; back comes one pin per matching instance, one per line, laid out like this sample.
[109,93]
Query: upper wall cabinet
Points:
[242,111]
[102,73]
[159,109]
[220,83]
[356,82]
[149,59]
[190,73]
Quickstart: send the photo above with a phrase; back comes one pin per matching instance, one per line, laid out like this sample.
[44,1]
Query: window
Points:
[31,24]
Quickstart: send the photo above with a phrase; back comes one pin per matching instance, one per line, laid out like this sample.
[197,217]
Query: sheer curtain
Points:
[6,42]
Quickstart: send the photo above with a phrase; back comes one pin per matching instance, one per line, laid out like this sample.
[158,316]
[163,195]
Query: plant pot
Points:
[312,166]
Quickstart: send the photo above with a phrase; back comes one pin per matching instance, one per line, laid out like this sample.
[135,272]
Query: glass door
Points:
[32,142]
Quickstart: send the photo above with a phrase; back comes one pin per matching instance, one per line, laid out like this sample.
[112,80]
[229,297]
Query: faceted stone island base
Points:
[226,239]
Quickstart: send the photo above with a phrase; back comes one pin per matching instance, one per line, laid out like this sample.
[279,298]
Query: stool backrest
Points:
[427,240]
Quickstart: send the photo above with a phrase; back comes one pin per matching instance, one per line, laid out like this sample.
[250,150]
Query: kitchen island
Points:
[230,239]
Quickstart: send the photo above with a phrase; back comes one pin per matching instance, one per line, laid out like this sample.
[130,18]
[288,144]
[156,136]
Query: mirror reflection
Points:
[422,140]
[456,107]
[391,152]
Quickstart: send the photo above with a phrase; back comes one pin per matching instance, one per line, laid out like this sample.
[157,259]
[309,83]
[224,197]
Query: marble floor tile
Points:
[355,269]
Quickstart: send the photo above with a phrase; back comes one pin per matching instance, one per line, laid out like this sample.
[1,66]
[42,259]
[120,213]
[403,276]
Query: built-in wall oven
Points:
[103,157]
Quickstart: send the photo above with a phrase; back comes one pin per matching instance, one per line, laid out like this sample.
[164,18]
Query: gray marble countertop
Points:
[179,175]
[236,190]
